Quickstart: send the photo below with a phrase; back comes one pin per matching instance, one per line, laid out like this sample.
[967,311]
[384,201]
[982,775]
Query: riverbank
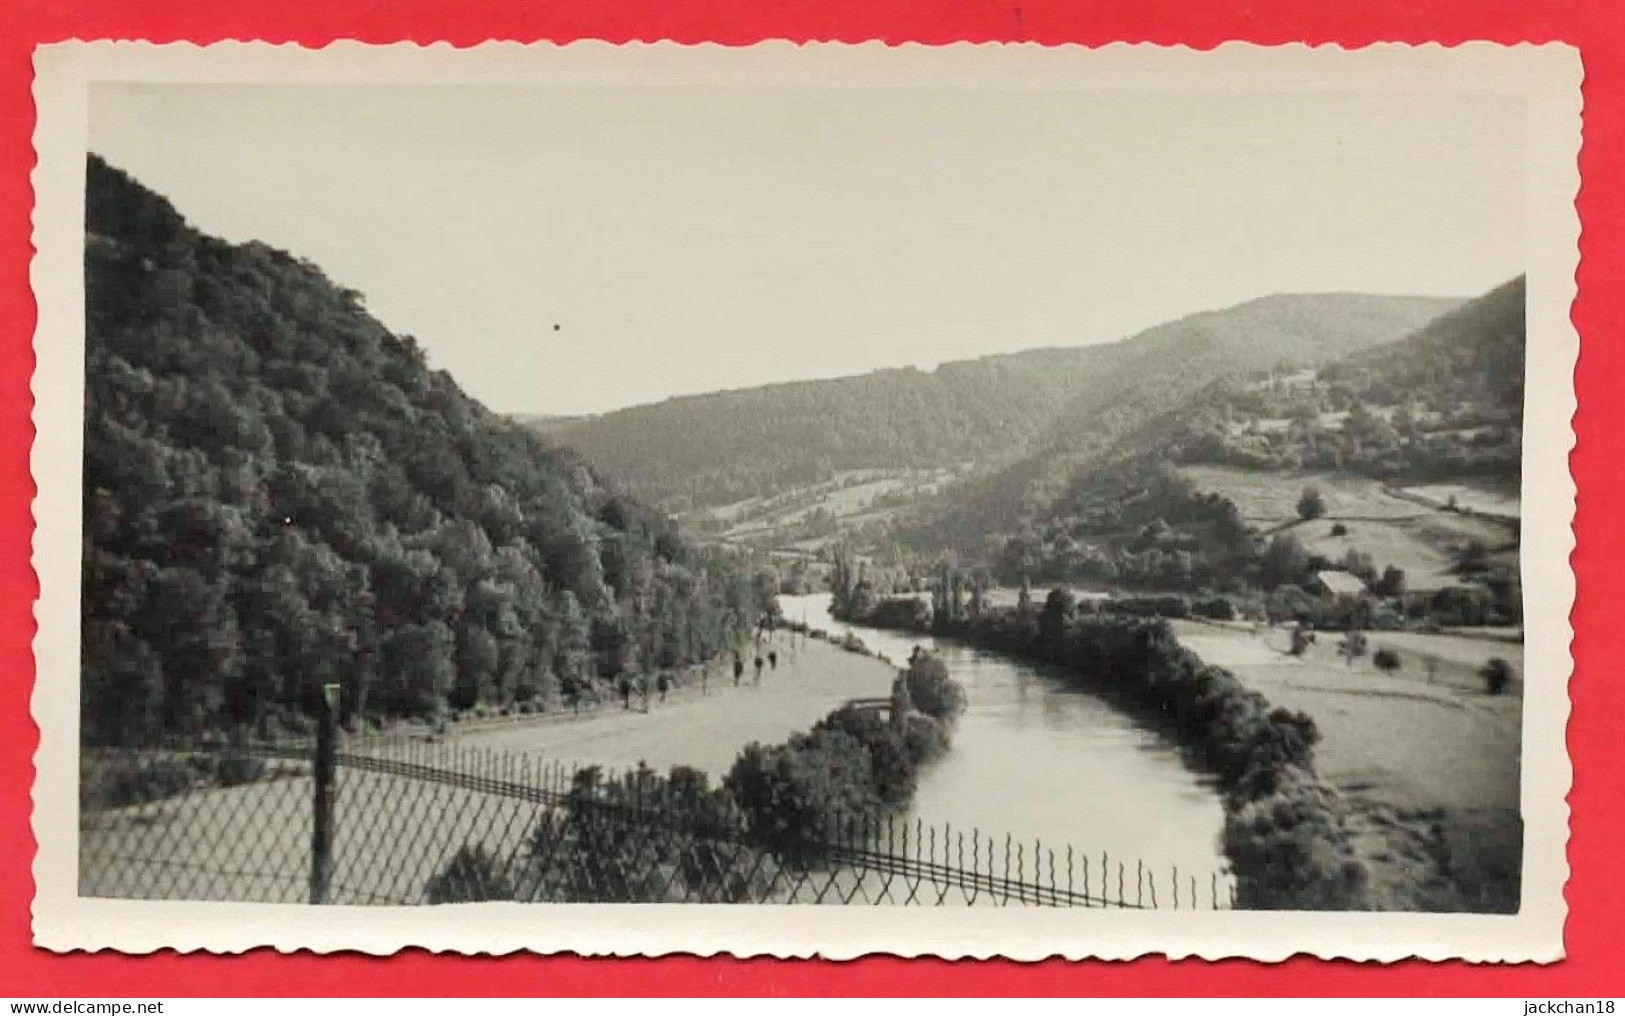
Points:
[1294,838]
[1426,761]
[702,725]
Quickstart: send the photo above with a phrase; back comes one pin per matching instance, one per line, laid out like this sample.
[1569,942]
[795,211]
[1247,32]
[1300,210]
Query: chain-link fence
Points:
[432,823]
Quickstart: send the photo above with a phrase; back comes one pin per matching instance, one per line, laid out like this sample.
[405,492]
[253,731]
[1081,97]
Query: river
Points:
[1036,758]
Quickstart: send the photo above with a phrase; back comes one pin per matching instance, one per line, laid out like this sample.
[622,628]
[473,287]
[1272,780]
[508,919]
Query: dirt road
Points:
[706,730]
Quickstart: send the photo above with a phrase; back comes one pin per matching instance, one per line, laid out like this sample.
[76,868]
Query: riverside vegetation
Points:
[1286,833]
[643,837]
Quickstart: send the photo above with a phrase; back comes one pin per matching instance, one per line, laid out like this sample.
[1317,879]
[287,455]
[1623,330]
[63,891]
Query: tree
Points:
[1392,582]
[1060,607]
[1385,659]
[1024,599]
[1352,646]
[1497,674]
[1284,560]
[1311,505]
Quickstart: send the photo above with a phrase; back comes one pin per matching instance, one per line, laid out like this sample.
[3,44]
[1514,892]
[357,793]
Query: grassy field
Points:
[1429,758]
[1272,498]
[1491,499]
[1422,542]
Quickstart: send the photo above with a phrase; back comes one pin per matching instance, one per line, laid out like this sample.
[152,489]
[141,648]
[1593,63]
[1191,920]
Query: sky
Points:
[566,251]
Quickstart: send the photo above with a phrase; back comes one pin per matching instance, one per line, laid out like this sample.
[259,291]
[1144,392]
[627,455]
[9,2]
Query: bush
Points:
[1338,529]
[1497,674]
[234,768]
[1288,851]
[122,780]
[1352,646]
[1386,659]
[1150,606]
[890,761]
[805,790]
[1218,608]
[1311,505]
[924,736]
[472,875]
[930,689]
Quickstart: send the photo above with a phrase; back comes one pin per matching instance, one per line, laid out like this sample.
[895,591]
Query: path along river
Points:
[1036,758]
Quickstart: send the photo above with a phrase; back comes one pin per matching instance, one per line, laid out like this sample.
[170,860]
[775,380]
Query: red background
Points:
[1596,891]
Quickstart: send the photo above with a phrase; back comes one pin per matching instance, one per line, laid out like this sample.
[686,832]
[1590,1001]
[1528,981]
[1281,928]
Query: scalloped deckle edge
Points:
[1548,76]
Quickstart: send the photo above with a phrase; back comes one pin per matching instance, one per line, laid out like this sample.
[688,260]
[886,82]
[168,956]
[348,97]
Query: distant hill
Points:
[1155,373]
[548,426]
[722,447]
[1052,404]
[1445,403]
[280,493]
[1169,505]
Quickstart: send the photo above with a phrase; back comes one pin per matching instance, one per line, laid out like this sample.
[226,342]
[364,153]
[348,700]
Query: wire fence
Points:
[437,823]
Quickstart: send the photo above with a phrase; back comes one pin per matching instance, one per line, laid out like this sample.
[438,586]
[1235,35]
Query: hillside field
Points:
[1422,542]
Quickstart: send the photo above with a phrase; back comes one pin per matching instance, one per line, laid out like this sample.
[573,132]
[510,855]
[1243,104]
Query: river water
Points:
[1037,759]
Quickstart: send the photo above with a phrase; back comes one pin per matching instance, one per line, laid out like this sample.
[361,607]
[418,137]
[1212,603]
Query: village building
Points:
[1338,587]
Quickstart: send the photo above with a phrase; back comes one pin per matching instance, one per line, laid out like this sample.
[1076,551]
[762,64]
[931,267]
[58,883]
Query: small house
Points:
[1338,587]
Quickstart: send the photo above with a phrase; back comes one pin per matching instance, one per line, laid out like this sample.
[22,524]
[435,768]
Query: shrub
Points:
[930,689]
[1150,606]
[472,875]
[1386,659]
[890,761]
[1352,646]
[1338,529]
[905,612]
[1497,674]
[1219,608]
[1312,505]
[806,789]
[123,780]
[1288,851]
[924,736]
[238,767]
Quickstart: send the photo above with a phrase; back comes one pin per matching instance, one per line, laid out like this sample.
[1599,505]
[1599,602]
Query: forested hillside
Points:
[280,493]
[1038,413]
[1444,404]
[723,447]
[1154,373]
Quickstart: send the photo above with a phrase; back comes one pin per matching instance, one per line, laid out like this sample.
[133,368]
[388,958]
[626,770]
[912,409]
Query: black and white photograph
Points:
[949,498]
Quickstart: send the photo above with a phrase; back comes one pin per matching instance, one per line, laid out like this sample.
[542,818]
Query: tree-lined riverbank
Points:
[1293,840]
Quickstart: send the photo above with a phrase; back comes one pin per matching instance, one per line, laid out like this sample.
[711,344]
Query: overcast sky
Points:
[691,240]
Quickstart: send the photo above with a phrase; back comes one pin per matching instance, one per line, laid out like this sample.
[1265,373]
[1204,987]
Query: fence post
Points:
[325,763]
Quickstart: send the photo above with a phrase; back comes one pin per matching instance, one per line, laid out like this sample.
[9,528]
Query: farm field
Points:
[1490,499]
[1431,759]
[1411,740]
[848,498]
[1272,498]
[1422,542]
[1425,548]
